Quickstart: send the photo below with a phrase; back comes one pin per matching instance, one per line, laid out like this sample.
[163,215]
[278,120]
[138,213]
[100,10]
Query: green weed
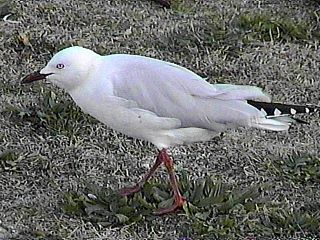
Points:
[9,160]
[214,209]
[57,116]
[271,28]
[300,169]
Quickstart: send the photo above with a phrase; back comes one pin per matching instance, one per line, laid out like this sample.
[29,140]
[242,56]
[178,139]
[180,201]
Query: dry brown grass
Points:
[46,156]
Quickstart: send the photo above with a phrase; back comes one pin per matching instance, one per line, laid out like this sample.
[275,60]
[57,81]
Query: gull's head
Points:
[68,68]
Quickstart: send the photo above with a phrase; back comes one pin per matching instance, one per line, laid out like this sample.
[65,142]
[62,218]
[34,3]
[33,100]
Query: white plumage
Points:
[153,100]
[160,102]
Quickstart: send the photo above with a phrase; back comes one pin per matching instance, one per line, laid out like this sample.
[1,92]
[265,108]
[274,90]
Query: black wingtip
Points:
[279,109]
[300,121]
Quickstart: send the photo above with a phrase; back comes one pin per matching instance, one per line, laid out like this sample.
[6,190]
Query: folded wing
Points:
[171,91]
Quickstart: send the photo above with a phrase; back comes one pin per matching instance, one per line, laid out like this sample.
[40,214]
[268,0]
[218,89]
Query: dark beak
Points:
[36,76]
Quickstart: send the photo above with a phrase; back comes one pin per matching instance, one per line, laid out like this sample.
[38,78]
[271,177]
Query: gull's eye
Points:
[60,66]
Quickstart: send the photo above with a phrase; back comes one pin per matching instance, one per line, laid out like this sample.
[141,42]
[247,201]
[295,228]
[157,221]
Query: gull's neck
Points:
[96,86]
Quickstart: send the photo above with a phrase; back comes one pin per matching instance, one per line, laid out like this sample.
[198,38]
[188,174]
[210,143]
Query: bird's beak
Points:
[36,76]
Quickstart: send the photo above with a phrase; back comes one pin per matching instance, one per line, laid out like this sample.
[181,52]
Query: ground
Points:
[50,151]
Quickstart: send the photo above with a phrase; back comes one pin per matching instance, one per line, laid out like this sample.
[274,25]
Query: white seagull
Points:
[160,102]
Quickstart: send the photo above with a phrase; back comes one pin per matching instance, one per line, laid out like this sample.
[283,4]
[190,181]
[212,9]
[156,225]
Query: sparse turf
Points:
[243,185]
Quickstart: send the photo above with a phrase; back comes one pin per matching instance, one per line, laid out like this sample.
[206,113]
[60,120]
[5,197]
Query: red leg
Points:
[179,200]
[131,190]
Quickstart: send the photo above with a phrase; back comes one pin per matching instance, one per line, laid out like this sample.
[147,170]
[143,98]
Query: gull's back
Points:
[171,91]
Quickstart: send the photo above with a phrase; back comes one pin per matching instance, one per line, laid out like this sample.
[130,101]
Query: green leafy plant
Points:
[214,209]
[269,28]
[300,169]
[9,160]
[57,116]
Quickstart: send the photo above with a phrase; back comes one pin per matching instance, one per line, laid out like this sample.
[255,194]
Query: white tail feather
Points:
[271,124]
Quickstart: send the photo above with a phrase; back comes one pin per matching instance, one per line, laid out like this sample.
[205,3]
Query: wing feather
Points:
[171,91]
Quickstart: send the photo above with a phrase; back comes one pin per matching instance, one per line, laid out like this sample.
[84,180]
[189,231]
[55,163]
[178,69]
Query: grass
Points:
[214,209]
[56,116]
[9,160]
[49,148]
[180,6]
[230,34]
[250,27]
[265,27]
[299,169]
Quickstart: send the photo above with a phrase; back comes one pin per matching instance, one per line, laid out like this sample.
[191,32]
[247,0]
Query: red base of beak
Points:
[36,76]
